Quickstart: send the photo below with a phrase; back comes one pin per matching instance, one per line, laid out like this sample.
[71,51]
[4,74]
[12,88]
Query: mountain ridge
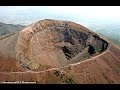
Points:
[9,28]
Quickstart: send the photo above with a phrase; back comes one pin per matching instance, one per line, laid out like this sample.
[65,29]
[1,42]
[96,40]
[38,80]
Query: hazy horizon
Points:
[101,19]
[87,14]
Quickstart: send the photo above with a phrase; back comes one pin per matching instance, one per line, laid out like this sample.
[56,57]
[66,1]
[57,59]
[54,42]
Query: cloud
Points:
[75,13]
[83,11]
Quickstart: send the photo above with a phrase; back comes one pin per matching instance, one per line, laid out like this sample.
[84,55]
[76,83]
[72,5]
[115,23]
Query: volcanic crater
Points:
[58,52]
[52,43]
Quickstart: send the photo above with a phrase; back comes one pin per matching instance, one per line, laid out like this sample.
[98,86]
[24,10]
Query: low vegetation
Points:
[64,78]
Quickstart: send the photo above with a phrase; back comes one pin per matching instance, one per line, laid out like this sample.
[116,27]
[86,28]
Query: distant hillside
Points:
[114,40]
[110,31]
[9,28]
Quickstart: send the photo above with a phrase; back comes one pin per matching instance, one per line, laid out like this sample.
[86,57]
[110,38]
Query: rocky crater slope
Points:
[53,43]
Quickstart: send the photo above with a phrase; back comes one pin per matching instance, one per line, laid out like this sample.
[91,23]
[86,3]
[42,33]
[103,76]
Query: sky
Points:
[30,14]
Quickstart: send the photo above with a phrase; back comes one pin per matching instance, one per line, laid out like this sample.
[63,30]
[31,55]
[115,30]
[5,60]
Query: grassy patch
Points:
[57,73]
[64,78]
[69,81]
